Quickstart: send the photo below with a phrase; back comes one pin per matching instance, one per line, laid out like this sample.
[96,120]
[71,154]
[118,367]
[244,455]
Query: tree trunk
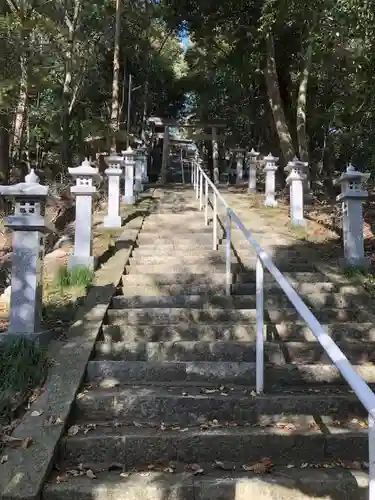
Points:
[4,148]
[19,120]
[285,138]
[303,145]
[66,150]
[114,123]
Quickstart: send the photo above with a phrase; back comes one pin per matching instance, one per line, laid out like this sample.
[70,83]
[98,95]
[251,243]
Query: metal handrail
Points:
[355,381]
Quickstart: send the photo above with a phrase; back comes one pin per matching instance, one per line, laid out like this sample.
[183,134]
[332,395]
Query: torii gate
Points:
[167,123]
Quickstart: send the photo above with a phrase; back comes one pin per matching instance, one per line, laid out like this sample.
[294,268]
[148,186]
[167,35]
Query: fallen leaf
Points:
[163,427]
[125,474]
[219,464]
[13,442]
[137,424]
[36,413]
[90,474]
[73,430]
[27,442]
[169,469]
[184,430]
[4,459]
[61,479]
[89,427]
[209,391]
[195,469]
[261,467]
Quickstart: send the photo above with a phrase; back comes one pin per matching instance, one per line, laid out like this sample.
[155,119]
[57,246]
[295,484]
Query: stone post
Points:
[113,172]
[351,197]
[215,156]
[252,158]
[138,186]
[129,197]
[28,225]
[295,180]
[83,192]
[270,170]
[239,158]
[143,159]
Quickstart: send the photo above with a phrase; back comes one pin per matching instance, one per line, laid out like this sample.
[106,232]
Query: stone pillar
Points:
[351,197]
[252,158]
[215,156]
[83,191]
[113,172]
[239,162]
[295,181]
[138,186]
[143,159]
[28,226]
[270,170]
[129,197]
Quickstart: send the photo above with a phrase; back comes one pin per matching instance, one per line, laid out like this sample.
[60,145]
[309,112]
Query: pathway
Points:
[168,409]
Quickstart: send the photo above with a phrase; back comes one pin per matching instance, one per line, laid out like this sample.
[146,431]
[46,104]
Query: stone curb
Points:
[23,475]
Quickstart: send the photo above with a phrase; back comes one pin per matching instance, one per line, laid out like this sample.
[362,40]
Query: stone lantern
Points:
[138,186]
[28,226]
[239,156]
[113,172]
[83,191]
[142,154]
[129,196]
[252,158]
[270,170]
[297,175]
[352,196]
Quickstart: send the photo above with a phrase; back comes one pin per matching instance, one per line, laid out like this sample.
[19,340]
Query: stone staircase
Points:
[168,408]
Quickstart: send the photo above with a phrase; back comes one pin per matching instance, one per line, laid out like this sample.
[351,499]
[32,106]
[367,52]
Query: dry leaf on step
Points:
[90,474]
[73,430]
[261,467]
[13,442]
[4,459]
[36,413]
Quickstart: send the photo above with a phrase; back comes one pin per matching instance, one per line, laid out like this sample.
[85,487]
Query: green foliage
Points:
[23,366]
[78,277]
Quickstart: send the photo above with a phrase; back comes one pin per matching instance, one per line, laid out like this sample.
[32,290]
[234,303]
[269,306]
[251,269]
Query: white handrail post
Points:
[206,202]
[371,456]
[228,250]
[214,242]
[192,172]
[259,327]
[196,180]
[201,190]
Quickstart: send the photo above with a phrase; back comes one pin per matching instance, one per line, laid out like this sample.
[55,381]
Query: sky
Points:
[184,37]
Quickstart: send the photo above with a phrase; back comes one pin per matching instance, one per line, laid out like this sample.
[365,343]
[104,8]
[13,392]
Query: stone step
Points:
[134,446]
[174,265]
[171,267]
[154,258]
[192,405]
[166,316]
[160,290]
[336,300]
[277,353]
[295,331]
[171,238]
[282,483]
[214,278]
[223,372]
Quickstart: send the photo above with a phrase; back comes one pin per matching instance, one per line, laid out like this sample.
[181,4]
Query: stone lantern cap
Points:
[128,153]
[115,163]
[253,155]
[297,171]
[296,163]
[29,189]
[84,175]
[351,183]
[271,162]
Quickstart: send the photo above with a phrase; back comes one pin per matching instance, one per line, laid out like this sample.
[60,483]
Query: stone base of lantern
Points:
[138,186]
[41,338]
[361,263]
[81,261]
[112,221]
[128,200]
[270,203]
[298,222]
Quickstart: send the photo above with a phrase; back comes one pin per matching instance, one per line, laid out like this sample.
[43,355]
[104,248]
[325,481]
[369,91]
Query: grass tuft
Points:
[78,277]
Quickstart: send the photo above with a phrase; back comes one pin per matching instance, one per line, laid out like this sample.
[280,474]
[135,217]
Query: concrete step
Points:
[156,289]
[277,353]
[191,405]
[292,331]
[282,483]
[166,316]
[335,300]
[219,372]
[171,267]
[134,446]
[218,278]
